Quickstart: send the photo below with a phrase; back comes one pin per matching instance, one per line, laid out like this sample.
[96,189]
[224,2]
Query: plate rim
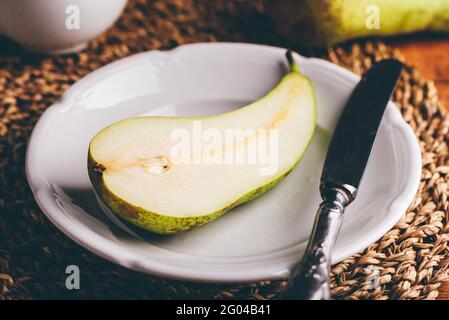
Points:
[108,250]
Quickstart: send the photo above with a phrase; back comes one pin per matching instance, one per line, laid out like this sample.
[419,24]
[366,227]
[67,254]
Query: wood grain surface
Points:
[430,55]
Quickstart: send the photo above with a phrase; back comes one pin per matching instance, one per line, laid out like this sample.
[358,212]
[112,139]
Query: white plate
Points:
[259,240]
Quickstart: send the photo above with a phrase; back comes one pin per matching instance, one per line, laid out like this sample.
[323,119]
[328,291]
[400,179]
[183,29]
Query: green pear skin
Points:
[320,23]
[162,224]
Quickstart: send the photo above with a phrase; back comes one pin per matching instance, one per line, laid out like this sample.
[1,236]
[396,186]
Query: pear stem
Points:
[291,62]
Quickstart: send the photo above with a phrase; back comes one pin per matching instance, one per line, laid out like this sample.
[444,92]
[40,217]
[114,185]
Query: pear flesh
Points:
[318,23]
[138,171]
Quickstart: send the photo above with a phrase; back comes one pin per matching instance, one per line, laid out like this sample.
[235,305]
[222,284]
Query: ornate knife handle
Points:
[310,278]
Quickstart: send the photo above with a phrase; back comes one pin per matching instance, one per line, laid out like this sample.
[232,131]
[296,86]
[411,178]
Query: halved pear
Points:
[169,175]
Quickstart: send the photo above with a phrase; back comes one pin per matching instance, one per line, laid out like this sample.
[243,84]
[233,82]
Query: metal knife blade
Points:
[345,164]
[356,130]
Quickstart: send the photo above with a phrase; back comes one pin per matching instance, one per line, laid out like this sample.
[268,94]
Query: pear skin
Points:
[157,223]
[320,23]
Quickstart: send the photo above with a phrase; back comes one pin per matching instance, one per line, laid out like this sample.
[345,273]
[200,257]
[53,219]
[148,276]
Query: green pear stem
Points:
[291,62]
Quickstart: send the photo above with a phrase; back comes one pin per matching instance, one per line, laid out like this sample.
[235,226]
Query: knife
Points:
[345,164]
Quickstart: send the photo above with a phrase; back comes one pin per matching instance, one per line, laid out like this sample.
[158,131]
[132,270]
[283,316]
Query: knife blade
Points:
[343,170]
[354,135]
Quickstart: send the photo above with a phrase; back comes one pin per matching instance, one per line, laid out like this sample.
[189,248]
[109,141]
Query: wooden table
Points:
[431,57]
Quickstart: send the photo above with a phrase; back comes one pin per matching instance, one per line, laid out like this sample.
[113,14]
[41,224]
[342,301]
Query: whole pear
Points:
[317,23]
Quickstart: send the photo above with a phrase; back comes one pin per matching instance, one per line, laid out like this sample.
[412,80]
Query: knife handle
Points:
[310,278]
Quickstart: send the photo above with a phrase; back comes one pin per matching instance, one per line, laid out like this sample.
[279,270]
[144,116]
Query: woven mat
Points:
[410,261]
